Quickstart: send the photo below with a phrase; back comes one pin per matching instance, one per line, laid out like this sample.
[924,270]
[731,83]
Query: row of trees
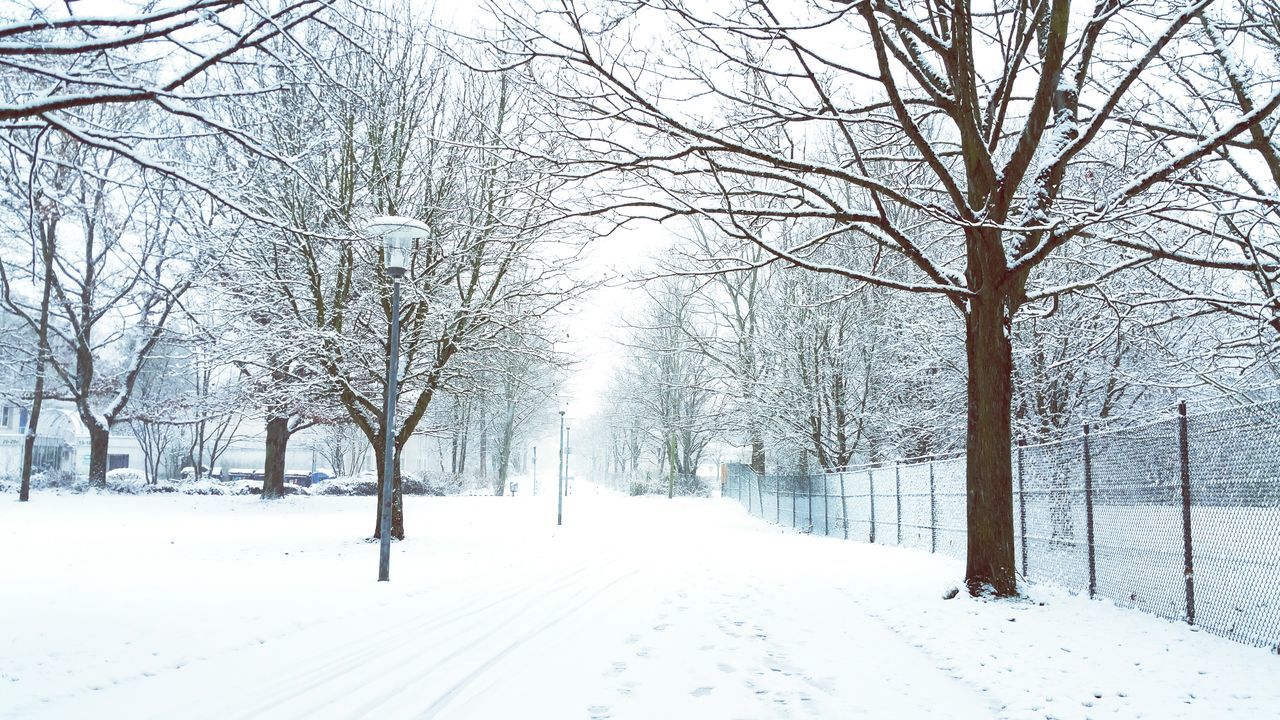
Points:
[183,243]
[1055,186]
[1048,209]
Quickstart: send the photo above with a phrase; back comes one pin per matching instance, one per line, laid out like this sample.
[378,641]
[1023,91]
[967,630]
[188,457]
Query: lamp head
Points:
[398,234]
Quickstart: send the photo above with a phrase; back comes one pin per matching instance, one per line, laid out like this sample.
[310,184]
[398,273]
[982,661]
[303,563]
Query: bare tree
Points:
[417,134]
[671,390]
[125,255]
[61,67]
[957,126]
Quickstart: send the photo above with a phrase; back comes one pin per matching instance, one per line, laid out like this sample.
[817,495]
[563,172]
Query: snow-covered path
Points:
[212,607]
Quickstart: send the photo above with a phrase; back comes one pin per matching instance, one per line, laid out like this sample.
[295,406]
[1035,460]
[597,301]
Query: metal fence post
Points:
[1022,507]
[808,490]
[1088,514]
[844,508]
[933,513]
[826,506]
[792,493]
[1184,463]
[871,494]
[897,497]
[777,501]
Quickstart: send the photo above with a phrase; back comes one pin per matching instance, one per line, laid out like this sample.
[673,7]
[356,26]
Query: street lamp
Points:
[560,476]
[397,234]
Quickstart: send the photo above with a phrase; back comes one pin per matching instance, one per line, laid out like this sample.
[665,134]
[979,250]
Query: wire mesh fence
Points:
[1180,517]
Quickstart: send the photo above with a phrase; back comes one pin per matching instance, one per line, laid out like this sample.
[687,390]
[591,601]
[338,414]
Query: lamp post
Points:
[560,476]
[397,234]
[568,450]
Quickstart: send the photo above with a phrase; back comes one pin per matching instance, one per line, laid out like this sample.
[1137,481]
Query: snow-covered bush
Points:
[58,480]
[686,486]
[345,486]
[127,481]
[206,487]
[692,486]
[437,484]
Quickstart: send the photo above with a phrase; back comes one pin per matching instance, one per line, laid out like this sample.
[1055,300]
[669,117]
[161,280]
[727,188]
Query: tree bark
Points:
[484,441]
[504,451]
[28,450]
[989,471]
[397,494]
[99,437]
[671,476]
[33,422]
[757,452]
[42,353]
[273,468]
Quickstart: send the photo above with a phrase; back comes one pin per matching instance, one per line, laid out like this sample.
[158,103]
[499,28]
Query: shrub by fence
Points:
[1180,517]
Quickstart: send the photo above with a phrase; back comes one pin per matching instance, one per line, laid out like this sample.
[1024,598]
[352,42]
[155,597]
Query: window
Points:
[47,456]
[4,417]
[23,416]
[115,462]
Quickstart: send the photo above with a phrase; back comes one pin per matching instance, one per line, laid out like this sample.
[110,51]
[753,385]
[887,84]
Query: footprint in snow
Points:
[599,712]
[702,691]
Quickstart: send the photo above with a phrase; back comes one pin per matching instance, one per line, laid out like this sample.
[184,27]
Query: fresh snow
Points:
[172,606]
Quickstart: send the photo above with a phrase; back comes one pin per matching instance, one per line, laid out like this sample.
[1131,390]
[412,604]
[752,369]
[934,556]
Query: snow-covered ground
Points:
[174,606]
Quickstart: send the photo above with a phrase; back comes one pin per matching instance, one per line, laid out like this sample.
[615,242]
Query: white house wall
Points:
[247,452]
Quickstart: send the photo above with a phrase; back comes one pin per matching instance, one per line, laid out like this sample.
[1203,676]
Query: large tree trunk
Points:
[99,437]
[671,457]
[484,441]
[989,473]
[273,468]
[28,452]
[33,422]
[397,494]
[504,452]
[42,355]
[757,451]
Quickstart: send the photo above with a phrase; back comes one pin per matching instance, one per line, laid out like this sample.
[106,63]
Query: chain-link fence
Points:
[1180,517]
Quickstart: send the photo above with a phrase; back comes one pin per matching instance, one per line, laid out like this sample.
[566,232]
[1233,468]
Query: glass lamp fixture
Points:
[398,234]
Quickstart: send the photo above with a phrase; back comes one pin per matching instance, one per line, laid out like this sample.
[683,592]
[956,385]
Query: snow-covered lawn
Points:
[174,606]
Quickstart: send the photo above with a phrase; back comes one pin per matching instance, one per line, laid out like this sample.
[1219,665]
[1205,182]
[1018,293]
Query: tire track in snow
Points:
[363,645]
[488,664]
[388,648]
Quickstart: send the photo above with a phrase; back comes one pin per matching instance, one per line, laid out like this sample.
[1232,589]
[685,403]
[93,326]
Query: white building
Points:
[62,443]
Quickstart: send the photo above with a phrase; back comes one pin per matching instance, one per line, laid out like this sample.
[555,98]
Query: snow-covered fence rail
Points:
[1180,517]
